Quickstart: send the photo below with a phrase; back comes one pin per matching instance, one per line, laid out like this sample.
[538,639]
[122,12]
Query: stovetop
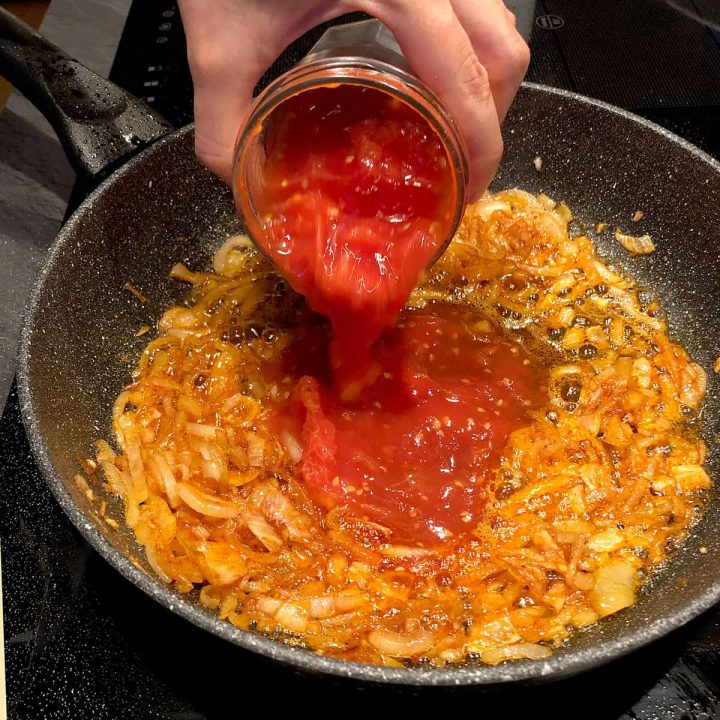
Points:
[82,642]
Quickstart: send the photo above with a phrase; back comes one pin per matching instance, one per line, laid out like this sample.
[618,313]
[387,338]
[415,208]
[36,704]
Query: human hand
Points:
[467,51]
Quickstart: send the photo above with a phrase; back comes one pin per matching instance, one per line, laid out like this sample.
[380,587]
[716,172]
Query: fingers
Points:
[224,74]
[498,45]
[441,53]
[231,43]
[467,51]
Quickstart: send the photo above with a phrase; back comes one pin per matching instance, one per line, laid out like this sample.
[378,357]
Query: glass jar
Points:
[363,53]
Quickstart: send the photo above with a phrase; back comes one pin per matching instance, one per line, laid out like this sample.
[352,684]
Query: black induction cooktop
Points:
[82,642]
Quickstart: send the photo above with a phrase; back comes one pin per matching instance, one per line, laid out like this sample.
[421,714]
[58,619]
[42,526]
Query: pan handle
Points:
[99,124]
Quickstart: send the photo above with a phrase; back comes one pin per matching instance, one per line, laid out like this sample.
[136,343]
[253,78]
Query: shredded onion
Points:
[166,477]
[518,651]
[290,615]
[232,243]
[263,531]
[180,272]
[205,503]
[614,588]
[208,432]
[256,450]
[401,645]
[292,446]
[492,207]
[636,244]
[325,606]
[322,607]
[281,511]
[151,555]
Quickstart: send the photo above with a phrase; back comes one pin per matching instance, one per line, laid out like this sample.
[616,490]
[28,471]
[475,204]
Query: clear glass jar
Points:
[362,53]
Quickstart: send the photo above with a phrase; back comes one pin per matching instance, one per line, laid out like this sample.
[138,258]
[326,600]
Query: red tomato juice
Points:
[358,195]
[414,452]
[401,423]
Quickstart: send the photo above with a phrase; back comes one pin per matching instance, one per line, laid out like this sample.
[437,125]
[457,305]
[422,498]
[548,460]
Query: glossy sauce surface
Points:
[357,197]
[413,453]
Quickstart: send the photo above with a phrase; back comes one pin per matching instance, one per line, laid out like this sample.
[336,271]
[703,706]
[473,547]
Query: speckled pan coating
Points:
[78,345]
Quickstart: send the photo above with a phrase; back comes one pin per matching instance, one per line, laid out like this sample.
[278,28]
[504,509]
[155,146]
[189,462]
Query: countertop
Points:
[35,177]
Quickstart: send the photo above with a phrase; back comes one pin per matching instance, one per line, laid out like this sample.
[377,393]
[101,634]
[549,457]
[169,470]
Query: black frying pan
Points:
[161,207]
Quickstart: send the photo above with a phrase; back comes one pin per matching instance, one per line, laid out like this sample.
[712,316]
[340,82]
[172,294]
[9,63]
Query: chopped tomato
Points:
[414,452]
[357,197]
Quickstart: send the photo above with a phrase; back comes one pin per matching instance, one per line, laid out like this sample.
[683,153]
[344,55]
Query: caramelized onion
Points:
[205,503]
[292,446]
[401,645]
[232,243]
[518,651]
[600,485]
[636,244]
[256,450]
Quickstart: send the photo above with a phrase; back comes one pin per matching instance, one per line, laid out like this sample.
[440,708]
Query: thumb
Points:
[224,71]
[438,48]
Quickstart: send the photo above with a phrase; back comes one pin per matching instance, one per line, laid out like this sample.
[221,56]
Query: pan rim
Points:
[553,668]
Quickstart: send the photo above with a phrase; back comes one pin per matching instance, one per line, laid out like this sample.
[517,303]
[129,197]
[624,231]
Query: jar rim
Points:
[366,72]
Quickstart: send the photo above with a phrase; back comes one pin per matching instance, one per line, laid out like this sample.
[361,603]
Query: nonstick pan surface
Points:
[78,344]
[161,207]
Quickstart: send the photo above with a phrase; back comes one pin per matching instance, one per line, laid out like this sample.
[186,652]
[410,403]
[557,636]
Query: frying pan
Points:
[161,207]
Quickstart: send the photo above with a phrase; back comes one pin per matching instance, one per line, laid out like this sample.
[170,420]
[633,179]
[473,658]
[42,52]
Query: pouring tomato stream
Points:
[403,426]
[358,199]
[414,452]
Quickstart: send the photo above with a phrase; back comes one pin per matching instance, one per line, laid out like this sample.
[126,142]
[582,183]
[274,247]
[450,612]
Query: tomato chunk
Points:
[357,196]
[415,451]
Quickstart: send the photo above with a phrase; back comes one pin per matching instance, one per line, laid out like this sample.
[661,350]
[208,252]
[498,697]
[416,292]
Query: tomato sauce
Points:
[401,424]
[414,452]
[358,195]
